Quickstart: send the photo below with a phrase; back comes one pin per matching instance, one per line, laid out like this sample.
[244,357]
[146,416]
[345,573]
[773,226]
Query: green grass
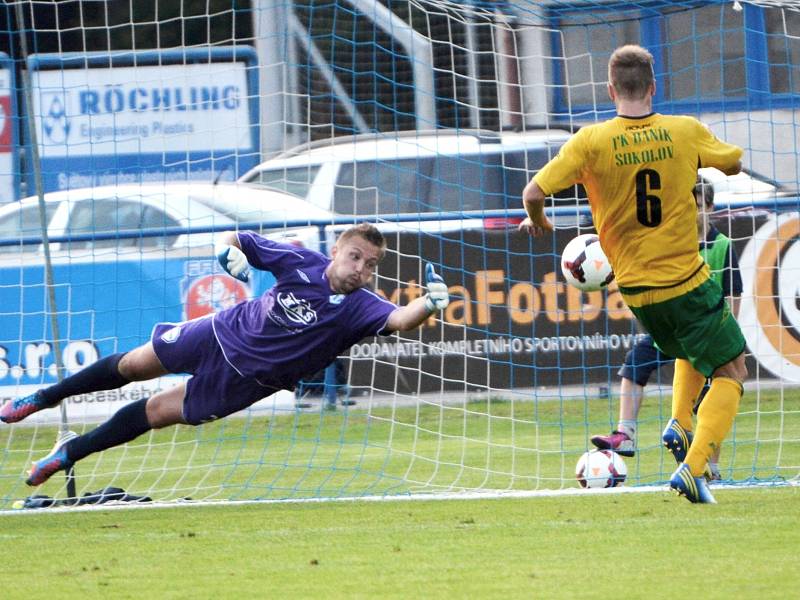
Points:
[647,545]
[489,444]
[651,545]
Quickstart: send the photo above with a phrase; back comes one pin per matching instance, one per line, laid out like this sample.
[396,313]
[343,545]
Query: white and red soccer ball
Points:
[600,469]
[584,264]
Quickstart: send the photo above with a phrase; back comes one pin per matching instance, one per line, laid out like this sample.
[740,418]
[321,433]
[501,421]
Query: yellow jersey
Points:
[639,174]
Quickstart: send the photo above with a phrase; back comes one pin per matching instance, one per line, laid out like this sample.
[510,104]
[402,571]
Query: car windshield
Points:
[296,180]
[25,222]
[109,215]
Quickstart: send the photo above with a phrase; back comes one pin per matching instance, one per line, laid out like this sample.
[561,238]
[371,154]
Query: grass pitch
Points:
[645,545]
[649,545]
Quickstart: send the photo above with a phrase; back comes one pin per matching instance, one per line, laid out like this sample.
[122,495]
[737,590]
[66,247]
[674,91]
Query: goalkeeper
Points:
[318,308]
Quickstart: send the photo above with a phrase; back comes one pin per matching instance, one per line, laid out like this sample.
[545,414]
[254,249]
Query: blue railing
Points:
[778,204]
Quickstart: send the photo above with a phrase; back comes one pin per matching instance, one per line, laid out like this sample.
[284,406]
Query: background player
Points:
[317,308]
[645,358]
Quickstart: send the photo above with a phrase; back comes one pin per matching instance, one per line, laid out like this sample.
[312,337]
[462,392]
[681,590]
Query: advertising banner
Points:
[512,322]
[9,158]
[104,307]
[770,312]
[183,115]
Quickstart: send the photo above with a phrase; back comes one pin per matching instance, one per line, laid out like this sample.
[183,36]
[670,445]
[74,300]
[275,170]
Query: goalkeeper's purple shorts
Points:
[215,389]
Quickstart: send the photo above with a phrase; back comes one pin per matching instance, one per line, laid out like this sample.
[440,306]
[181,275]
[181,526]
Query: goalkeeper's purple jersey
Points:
[299,326]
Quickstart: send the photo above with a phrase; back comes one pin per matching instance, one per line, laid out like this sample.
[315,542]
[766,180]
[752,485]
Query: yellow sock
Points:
[686,385]
[714,420]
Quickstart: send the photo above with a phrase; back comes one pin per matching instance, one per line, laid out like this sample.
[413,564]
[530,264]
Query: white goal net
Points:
[151,127]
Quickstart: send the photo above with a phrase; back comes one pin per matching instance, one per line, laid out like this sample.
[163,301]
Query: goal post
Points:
[427,117]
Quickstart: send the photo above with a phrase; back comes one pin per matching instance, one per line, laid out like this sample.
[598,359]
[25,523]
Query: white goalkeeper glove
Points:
[437,297]
[233,261]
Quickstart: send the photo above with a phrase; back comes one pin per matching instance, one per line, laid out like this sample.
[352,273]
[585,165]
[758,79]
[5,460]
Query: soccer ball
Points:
[600,469]
[584,264]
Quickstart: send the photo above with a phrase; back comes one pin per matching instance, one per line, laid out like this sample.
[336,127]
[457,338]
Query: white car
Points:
[409,173]
[123,260]
[745,190]
[412,172]
[118,213]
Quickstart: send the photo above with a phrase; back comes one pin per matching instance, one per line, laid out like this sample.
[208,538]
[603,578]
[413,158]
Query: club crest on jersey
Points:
[171,334]
[297,310]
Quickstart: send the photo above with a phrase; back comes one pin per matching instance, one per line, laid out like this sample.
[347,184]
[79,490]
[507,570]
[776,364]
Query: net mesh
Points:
[429,118]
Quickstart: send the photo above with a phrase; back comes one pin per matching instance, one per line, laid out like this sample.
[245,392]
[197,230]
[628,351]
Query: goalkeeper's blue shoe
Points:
[56,461]
[694,489]
[16,410]
[677,440]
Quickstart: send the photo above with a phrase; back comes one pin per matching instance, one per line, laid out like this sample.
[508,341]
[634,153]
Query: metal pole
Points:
[269,28]
[472,72]
[327,73]
[48,265]
[420,53]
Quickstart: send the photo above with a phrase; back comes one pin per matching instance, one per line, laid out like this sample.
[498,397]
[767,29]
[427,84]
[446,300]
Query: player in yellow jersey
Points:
[639,169]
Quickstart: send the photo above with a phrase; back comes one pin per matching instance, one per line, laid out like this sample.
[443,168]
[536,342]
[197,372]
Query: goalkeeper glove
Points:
[233,261]
[437,297]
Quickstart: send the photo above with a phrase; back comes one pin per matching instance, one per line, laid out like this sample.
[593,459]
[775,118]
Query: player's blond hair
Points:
[368,231]
[630,71]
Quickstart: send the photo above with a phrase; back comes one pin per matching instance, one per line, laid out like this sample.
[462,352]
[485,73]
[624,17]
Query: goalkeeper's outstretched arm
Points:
[413,314]
[230,256]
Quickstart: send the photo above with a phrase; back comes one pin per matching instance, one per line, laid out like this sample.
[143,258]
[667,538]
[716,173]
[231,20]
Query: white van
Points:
[412,172]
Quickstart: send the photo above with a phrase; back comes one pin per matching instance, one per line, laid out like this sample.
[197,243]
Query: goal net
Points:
[149,128]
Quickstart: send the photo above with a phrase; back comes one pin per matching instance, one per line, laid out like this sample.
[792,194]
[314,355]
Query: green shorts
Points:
[697,326]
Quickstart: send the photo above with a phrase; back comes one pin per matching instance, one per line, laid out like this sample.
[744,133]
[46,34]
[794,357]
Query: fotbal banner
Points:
[513,322]
[770,312]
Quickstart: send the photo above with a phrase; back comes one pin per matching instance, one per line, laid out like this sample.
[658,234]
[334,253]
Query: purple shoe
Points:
[56,461]
[618,442]
[16,410]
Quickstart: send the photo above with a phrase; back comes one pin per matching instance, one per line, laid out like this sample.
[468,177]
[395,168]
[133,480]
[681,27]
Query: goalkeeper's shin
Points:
[101,375]
[128,423]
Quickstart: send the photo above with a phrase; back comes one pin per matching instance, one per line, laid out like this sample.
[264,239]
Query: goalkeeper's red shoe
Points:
[618,442]
[56,461]
[16,410]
